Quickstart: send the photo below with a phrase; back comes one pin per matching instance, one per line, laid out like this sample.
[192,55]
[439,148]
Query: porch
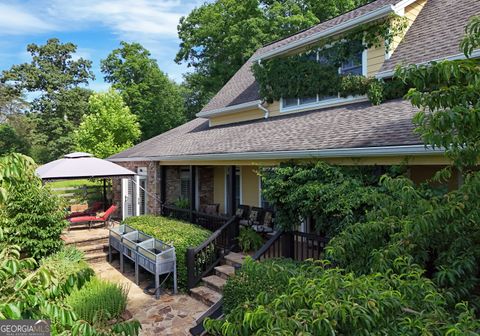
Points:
[217,190]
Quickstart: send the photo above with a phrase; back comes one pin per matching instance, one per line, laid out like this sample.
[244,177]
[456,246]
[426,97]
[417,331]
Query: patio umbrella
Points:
[76,166]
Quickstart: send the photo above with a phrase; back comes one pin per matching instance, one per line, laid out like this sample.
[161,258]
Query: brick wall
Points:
[172,184]
[205,176]
[153,205]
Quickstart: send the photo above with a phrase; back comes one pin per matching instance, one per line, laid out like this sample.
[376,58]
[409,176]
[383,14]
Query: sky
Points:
[96,27]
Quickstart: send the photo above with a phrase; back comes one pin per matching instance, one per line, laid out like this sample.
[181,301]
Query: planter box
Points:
[157,258]
[116,234]
[130,242]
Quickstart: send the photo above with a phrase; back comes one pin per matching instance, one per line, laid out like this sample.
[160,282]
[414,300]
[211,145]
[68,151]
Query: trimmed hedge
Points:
[181,234]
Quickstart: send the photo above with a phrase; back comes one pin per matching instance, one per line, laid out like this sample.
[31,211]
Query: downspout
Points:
[264,109]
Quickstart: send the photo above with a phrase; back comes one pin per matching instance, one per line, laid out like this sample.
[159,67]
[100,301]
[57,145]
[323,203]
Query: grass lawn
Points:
[74,183]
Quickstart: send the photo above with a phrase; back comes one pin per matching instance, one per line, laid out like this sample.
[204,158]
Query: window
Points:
[353,66]
[185,183]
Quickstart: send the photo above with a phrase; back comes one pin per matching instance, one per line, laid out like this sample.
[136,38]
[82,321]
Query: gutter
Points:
[461,56]
[264,109]
[368,17]
[360,152]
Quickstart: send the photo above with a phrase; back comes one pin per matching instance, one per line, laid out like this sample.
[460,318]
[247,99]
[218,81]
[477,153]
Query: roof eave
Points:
[229,109]
[461,56]
[384,151]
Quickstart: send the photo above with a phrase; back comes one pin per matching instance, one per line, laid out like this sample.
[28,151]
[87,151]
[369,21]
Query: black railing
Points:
[209,222]
[296,245]
[201,260]
[292,244]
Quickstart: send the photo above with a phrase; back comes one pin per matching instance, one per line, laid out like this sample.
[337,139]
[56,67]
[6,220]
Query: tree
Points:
[147,91]
[109,128]
[448,94]
[11,141]
[219,37]
[11,102]
[58,78]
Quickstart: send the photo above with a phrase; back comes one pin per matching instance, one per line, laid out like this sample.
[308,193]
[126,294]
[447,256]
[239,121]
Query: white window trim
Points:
[337,101]
[225,194]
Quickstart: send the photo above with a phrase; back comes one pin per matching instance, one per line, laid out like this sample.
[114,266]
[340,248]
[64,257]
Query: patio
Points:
[170,315]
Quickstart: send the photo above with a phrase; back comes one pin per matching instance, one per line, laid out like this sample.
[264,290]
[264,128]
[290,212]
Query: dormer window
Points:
[354,66]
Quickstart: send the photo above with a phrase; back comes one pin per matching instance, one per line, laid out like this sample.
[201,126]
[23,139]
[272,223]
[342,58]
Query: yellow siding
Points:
[274,108]
[219,187]
[420,174]
[375,59]
[252,114]
[411,13]
[250,187]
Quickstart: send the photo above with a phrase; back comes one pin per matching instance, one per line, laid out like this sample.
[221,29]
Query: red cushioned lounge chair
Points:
[94,219]
[96,206]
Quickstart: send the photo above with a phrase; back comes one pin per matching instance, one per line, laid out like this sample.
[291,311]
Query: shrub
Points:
[68,264]
[270,277]
[98,301]
[249,240]
[320,301]
[181,234]
[33,218]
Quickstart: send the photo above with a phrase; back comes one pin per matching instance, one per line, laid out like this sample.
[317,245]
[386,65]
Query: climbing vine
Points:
[301,76]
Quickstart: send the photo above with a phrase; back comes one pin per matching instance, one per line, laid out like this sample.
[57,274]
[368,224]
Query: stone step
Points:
[215,282]
[96,257]
[224,271]
[235,259]
[93,247]
[206,295]
[88,241]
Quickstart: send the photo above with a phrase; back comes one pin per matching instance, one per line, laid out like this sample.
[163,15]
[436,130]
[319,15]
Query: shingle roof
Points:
[242,87]
[435,34]
[351,126]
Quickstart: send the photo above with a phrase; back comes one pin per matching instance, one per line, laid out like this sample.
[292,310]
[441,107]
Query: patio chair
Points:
[254,218]
[242,211]
[266,223]
[100,218]
[96,206]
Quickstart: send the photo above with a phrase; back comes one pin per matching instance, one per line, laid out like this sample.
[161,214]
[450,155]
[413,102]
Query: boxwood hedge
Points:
[181,234]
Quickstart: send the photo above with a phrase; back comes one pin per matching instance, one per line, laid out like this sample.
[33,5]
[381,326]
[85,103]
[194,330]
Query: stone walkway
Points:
[171,315]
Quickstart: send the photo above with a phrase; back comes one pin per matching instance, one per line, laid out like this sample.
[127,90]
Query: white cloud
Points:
[16,20]
[129,19]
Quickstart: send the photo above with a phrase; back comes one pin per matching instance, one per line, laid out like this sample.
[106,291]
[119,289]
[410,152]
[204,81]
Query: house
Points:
[215,158]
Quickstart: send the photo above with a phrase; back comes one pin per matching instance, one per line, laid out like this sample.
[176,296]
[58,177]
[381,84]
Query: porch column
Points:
[192,191]
[163,186]
[232,190]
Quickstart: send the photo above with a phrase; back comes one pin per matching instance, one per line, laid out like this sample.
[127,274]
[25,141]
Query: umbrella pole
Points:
[104,194]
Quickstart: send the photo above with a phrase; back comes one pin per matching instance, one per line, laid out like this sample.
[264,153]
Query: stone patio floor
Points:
[171,315]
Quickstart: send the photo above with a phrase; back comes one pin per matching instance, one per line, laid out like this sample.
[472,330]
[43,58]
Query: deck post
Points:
[232,188]
[192,192]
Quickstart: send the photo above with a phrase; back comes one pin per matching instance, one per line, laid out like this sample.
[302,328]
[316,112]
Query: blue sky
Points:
[96,27]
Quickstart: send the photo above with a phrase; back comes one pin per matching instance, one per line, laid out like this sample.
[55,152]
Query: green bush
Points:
[181,234]
[68,264]
[249,240]
[270,277]
[320,301]
[98,301]
[33,218]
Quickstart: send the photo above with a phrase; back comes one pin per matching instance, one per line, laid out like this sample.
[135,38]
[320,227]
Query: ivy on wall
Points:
[301,76]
